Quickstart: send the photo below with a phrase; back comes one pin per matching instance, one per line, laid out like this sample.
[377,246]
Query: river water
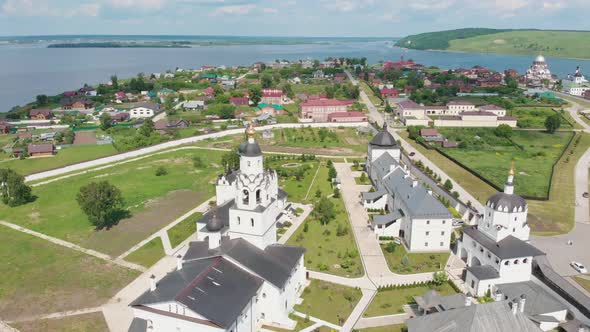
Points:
[27,71]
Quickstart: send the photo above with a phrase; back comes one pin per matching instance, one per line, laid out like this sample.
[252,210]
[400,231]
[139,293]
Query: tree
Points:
[332,173]
[255,94]
[336,193]
[324,211]
[503,130]
[102,202]
[230,159]
[318,193]
[388,108]
[363,178]
[552,123]
[13,189]
[42,100]
[115,81]
[106,121]
[224,111]
[440,278]
[266,81]
[448,185]
[161,171]
[147,128]
[198,162]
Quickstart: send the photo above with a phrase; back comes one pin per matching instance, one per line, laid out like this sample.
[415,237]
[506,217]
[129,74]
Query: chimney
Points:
[521,303]
[152,283]
[514,307]
[498,295]
[468,300]
[179,262]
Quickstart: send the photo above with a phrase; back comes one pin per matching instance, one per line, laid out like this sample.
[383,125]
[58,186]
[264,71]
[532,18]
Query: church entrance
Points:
[463,255]
[475,261]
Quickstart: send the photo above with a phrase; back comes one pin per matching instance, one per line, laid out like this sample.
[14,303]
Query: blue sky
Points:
[284,17]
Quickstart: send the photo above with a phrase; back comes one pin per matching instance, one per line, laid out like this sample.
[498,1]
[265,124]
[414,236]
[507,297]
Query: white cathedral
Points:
[496,250]
[235,277]
[538,72]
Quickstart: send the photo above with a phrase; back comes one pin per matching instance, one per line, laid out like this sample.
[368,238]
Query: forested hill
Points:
[440,40]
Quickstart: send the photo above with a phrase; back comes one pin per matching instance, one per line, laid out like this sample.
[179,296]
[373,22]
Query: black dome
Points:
[248,149]
[383,138]
[503,200]
[215,224]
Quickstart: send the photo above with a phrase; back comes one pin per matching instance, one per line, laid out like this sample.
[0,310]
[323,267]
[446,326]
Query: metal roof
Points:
[538,300]
[483,272]
[509,247]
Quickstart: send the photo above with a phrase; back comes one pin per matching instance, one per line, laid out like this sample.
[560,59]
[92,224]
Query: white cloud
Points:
[40,8]
[140,4]
[233,10]
[431,5]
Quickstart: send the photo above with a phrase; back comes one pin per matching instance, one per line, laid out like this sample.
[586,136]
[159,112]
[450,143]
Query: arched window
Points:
[506,263]
[526,260]
[252,221]
[258,197]
[246,197]
[516,261]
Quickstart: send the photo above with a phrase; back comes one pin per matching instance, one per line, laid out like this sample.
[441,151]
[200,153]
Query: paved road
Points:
[368,322]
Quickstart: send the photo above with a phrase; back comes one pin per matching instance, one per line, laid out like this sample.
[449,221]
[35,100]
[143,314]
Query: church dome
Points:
[540,58]
[502,201]
[250,149]
[214,224]
[384,138]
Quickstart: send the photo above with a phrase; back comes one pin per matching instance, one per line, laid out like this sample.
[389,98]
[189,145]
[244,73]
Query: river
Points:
[27,71]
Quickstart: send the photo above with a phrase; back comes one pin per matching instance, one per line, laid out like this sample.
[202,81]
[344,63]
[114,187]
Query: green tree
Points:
[266,81]
[318,193]
[13,189]
[106,121]
[160,171]
[324,211]
[42,100]
[503,130]
[255,94]
[552,123]
[388,108]
[363,178]
[102,202]
[114,81]
[231,159]
[440,278]
[332,173]
[147,128]
[448,185]
[336,193]
[198,162]
[224,111]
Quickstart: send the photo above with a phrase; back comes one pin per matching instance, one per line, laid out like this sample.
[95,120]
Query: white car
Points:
[579,267]
[458,222]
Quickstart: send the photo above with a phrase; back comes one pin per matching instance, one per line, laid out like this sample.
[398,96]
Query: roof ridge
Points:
[198,278]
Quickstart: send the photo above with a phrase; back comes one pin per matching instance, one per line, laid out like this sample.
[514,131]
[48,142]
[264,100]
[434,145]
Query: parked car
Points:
[585,195]
[579,267]
[458,222]
[412,154]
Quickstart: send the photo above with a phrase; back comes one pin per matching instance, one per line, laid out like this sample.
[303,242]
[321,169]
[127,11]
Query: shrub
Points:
[160,171]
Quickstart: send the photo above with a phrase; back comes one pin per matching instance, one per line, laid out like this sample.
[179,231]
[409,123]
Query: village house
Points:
[272,96]
[347,117]
[318,110]
[239,101]
[431,135]
[144,110]
[389,93]
[40,114]
[76,104]
[194,105]
[5,127]
[119,117]
[41,150]
[210,91]
[164,124]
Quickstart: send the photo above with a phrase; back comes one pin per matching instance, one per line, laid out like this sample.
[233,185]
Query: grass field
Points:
[93,322]
[374,99]
[418,262]
[535,117]
[583,282]
[154,201]
[326,251]
[149,254]
[390,302]
[301,324]
[63,157]
[183,229]
[329,302]
[39,277]
[296,189]
[491,156]
[564,44]
[387,328]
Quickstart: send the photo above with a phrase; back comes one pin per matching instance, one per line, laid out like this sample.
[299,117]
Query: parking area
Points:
[560,253]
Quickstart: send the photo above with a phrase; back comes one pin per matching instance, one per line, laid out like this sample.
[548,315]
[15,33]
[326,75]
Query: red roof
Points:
[120,94]
[328,102]
[69,93]
[272,93]
[37,112]
[347,115]
[428,132]
[40,148]
[209,91]
[238,100]
[388,91]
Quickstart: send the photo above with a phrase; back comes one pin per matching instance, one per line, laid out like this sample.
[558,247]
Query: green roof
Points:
[210,76]
[275,106]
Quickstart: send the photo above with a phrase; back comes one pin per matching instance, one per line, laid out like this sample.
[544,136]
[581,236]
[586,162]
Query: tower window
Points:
[252,221]
[246,197]
[248,164]
[238,220]
[258,197]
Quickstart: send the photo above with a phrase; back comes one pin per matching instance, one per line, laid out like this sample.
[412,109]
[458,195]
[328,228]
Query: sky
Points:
[338,18]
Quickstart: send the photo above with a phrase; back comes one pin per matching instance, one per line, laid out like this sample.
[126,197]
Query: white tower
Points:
[381,144]
[506,214]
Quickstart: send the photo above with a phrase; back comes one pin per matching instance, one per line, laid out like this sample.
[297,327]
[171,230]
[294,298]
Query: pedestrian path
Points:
[57,315]
[377,321]
[73,246]
[358,310]
[297,221]
[317,320]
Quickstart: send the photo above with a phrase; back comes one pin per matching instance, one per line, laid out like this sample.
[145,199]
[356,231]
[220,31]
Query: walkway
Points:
[73,246]
[367,322]
[57,315]
[297,221]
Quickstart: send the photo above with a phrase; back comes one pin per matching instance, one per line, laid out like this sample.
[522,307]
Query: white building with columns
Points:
[235,277]
[411,212]
[496,250]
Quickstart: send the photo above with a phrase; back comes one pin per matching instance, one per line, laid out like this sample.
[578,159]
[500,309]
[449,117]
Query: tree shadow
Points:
[116,217]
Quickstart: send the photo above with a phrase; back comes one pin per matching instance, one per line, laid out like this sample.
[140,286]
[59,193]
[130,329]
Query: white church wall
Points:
[430,234]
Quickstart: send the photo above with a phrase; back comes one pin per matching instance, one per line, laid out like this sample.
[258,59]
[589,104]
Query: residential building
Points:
[347,117]
[496,250]
[164,124]
[40,114]
[144,110]
[239,101]
[431,135]
[389,93]
[194,105]
[272,96]
[41,150]
[234,277]
[75,104]
[412,212]
[318,110]
[120,116]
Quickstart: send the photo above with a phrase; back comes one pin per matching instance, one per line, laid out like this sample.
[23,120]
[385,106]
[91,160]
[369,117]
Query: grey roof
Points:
[384,138]
[432,299]
[369,196]
[483,272]
[153,106]
[219,215]
[275,263]
[416,199]
[488,317]
[387,218]
[573,326]
[215,288]
[381,166]
[561,283]
[509,247]
[248,149]
[538,300]
[282,194]
[138,325]
[543,318]
[503,200]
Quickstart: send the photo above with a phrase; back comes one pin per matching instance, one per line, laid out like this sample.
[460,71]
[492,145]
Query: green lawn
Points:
[491,156]
[71,155]
[39,277]
[565,44]
[296,189]
[390,302]
[154,201]
[535,117]
[149,254]
[358,180]
[583,282]
[418,262]
[183,229]
[93,322]
[311,88]
[372,97]
[329,302]
[388,328]
[301,324]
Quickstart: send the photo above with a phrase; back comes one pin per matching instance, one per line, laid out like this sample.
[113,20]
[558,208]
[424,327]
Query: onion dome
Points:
[504,202]
[540,58]
[214,224]
[383,138]
[250,148]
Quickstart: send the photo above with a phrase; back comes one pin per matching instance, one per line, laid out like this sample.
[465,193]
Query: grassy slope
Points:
[439,40]
[328,301]
[183,229]
[565,44]
[419,262]
[149,254]
[93,322]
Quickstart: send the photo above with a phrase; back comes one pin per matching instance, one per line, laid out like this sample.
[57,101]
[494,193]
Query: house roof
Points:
[36,112]
[478,113]
[432,299]
[491,108]
[221,212]
[346,115]
[194,104]
[409,105]
[275,263]
[538,300]
[429,132]
[487,317]
[509,247]
[373,195]
[387,218]
[327,102]
[483,272]
[138,325]
[152,106]
[40,148]
[215,288]
[461,102]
